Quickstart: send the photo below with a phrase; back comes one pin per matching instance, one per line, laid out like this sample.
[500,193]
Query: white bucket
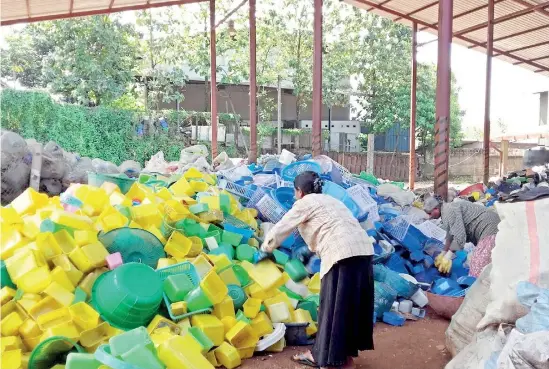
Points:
[405,306]
[286,157]
[419,298]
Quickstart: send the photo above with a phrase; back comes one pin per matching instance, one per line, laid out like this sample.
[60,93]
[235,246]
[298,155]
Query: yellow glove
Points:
[445,262]
[439,259]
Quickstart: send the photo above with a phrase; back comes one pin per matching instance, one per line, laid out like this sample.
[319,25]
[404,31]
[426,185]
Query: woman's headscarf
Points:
[431,203]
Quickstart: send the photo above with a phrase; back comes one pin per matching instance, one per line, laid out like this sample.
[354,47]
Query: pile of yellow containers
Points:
[53,257]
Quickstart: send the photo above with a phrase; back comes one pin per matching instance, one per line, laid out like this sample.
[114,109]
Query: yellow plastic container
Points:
[82,238]
[196,247]
[202,265]
[164,262]
[30,329]
[246,352]
[193,173]
[80,260]
[87,283]
[8,307]
[72,272]
[314,284]
[184,359]
[304,316]
[154,230]
[211,326]
[213,287]
[31,343]
[277,347]
[8,216]
[29,230]
[23,262]
[161,335]
[10,343]
[9,325]
[68,330]
[35,281]
[228,322]
[179,308]
[182,188]
[266,274]
[146,215]
[59,276]
[224,308]
[91,337]
[160,322]
[28,300]
[96,254]
[252,307]
[228,356]
[212,359]
[10,241]
[279,312]
[113,221]
[46,243]
[6,294]
[53,318]
[72,220]
[184,326]
[280,297]
[257,292]
[229,277]
[29,201]
[12,359]
[220,261]
[65,241]
[242,336]
[178,245]
[59,293]
[262,325]
[84,316]
[45,305]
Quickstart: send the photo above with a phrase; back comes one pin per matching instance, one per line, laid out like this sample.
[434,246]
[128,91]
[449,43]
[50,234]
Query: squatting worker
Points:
[465,222]
[345,319]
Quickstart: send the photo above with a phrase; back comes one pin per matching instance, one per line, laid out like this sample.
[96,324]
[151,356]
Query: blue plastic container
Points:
[402,287]
[445,286]
[293,170]
[245,232]
[393,319]
[285,197]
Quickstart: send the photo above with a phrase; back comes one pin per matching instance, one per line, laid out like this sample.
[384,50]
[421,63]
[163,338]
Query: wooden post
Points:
[504,157]
[370,154]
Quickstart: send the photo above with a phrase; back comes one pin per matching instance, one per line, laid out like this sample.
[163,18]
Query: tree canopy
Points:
[102,60]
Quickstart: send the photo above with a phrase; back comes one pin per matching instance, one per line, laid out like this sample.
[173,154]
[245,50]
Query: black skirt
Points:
[345,318]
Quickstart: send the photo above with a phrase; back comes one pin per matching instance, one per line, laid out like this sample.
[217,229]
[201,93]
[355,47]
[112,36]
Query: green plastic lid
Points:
[5,279]
[139,280]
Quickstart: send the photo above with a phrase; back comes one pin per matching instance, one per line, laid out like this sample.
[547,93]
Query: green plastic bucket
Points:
[129,296]
[311,307]
[197,300]
[121,180]
[296,270]
[52,351]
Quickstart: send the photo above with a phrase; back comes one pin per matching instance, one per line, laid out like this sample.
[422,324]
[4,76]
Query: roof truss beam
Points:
[461,37]
[515,34]
[507,17]
[463,14]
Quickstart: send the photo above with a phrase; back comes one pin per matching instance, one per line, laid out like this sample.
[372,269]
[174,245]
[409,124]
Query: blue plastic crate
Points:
[409,236]
[236,189]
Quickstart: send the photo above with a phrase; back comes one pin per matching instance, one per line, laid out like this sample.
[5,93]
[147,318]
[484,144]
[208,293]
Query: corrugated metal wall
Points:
[396,139]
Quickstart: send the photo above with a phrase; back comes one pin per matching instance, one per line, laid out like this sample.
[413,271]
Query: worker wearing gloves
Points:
[345,324]
[464,222]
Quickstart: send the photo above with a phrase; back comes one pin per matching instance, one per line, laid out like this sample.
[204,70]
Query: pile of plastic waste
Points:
[160,271]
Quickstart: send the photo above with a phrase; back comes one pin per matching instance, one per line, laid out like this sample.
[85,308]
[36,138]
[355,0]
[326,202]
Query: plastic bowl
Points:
[122,181]
[128,296]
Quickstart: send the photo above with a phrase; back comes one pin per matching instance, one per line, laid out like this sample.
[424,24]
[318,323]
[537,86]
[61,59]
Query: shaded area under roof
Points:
[521,27]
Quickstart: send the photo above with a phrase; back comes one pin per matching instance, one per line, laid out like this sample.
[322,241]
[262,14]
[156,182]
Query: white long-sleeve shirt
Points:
[327,227]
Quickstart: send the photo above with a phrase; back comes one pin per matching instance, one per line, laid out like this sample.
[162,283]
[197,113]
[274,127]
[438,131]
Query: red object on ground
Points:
[479,187]
[445,306]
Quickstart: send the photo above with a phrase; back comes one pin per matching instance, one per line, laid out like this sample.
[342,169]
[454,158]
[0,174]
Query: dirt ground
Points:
[416,345]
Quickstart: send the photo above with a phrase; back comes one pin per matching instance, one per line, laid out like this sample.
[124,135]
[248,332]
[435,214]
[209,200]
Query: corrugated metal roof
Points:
[521,29]
[24,11]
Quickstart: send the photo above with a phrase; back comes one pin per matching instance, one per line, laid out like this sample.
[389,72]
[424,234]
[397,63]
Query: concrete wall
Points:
[470,163]
[197,100]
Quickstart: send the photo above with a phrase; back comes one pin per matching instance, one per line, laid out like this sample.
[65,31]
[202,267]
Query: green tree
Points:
[89,60]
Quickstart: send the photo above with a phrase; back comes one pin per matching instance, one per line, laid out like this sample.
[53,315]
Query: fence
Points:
[387,165]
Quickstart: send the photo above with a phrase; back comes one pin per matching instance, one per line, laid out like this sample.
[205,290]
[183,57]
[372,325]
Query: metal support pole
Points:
[412,174]
[279,117]
[213,79]
[489,53]
[252,157]
[317,79]
[442,125]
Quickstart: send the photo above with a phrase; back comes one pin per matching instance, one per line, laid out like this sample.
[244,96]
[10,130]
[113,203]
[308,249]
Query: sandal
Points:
[304,360]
